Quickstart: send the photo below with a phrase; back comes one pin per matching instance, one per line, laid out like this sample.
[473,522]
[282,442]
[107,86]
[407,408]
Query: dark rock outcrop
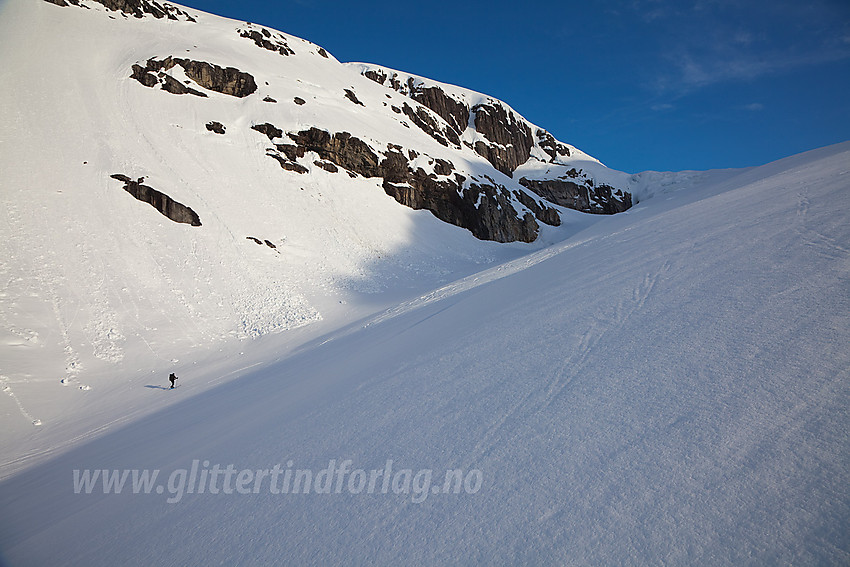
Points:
[146,76]
[602,199]
[291,151]
[269,99]
[341,148]
[486,210]
[551,146]
[506,141]
[455,113]
[137,8]
[224,80]
[381,78]
[349,94]
[266,39]
[267,242]
[299,101]
[510,138]
[542,211]
[216,127]
[429,124]
[227,80]
[327,166]
[287,163]
[269,130]
[611,200]
[175,211]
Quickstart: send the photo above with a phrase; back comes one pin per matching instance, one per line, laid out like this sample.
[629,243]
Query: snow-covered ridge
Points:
[415,86]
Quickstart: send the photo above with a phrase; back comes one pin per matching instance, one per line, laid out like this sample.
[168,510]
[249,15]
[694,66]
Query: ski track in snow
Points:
[5,387]
[821,243]
[537,401]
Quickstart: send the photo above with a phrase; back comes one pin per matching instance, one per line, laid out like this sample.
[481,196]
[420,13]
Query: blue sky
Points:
[639,84]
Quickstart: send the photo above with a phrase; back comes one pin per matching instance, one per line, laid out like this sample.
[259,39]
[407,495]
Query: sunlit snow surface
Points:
[668,385]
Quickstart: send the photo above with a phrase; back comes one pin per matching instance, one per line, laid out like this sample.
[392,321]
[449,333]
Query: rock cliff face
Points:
[428,123]
[177,212]
[506,140]
[510,140]
[454,112]
[341,148]
[553,148]
[603,199]
[485,209]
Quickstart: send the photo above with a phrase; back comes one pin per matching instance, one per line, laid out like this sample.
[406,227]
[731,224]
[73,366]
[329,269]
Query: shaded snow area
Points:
[669,386]
[360,383]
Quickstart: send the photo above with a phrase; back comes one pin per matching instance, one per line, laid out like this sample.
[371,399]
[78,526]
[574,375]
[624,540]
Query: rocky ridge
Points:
[506,140]
[484,207]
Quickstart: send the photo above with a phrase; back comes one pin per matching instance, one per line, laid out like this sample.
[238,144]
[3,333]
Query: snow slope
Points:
[101,295]
[669,386]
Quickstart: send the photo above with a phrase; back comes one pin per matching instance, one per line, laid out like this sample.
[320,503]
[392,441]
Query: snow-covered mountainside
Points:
[173,181]
[345,263]
[668,387]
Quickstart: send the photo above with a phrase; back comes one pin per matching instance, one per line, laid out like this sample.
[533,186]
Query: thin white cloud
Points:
[693,72]
[714,41]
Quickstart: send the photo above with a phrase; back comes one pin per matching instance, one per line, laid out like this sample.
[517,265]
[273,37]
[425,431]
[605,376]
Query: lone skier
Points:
[172,378]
